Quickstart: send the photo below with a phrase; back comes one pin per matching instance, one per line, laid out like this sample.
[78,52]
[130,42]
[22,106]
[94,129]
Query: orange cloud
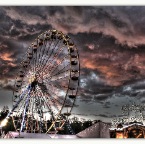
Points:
[12,64]
[113,76]
[88,64]
[6,57]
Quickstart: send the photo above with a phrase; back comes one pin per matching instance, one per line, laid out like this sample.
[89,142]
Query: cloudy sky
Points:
[111,44]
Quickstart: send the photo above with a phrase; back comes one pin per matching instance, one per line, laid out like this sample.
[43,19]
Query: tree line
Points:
[72,126]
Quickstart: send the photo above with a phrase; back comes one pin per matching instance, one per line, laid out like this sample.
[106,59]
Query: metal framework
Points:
[47,84]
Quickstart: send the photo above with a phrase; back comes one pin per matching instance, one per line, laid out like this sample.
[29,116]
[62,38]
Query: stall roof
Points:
[98,130]
[126,126]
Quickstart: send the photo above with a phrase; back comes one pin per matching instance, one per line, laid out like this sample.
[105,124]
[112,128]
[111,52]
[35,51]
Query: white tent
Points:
[62,136]
[13,135]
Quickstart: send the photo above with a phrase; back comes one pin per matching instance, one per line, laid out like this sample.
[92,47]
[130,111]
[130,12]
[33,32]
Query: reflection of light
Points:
[62,93]
[119,135]
[32,78]
[4,122]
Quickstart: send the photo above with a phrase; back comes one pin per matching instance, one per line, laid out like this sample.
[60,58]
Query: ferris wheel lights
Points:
[59,128]
[4,122]
[53,70]
[54,31]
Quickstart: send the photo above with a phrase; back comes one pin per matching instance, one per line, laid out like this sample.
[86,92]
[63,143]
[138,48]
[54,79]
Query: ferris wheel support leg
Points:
[24,113]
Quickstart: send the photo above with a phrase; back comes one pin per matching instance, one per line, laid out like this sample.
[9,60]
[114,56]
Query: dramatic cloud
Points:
[110,41]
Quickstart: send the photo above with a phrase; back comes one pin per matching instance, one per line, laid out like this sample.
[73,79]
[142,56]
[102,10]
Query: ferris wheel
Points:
[47,83]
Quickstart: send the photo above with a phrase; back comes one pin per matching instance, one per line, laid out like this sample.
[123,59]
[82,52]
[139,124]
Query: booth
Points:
[132,130]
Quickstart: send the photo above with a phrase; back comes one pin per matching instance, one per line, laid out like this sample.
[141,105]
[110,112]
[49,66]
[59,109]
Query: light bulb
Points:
[4,122]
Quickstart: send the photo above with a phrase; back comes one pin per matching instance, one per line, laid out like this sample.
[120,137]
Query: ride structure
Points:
[46,85]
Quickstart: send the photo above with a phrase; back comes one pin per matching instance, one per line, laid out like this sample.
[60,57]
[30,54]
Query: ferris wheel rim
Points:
[77,59]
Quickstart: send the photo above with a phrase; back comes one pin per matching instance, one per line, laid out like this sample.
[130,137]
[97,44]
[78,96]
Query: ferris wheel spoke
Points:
[55,95]
[47,104]
[53,87]
[50,45]
[49,107]
[41,53]
[59,78]
[44,88]
[42,59]
[56,65]
[42,67]
[55,58]
[24,113]
[53,102]
[22,105]
[59,72]
[30,107]
[49,92]
[57,86]
[53,50]
[54,99]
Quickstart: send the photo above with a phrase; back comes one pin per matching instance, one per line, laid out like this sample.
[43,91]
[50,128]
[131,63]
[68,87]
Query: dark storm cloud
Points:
[25,23]
[119,22]
[9,87]
[110,41]
[112,61]
[101,97]
[102,115]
